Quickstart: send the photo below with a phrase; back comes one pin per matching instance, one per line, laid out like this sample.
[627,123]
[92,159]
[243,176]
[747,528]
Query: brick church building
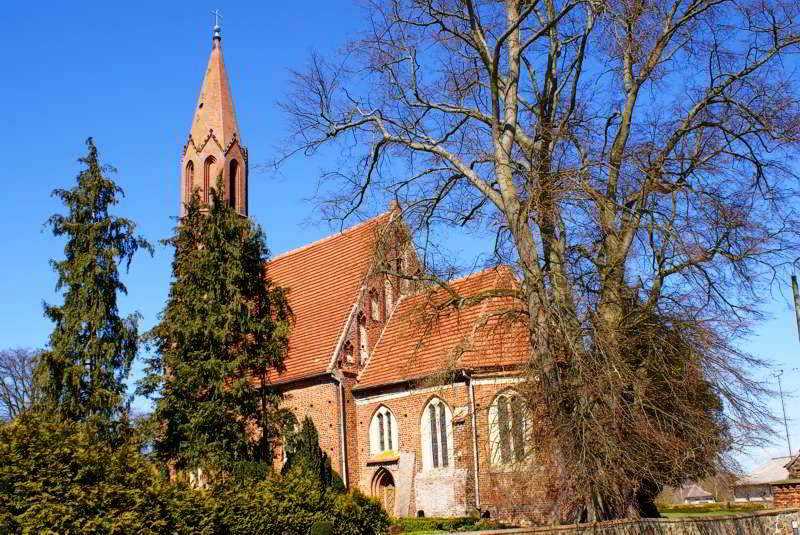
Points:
[416,404]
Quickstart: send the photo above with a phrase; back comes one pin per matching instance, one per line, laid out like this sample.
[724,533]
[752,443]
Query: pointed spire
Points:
[205,158]
[214,111]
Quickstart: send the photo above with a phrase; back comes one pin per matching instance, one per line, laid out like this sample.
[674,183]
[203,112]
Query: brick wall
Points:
[786,494]
[510,493]
[318,399]
[530,501]
[439,484]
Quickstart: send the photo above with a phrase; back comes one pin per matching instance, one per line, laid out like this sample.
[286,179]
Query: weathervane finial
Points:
[217,29]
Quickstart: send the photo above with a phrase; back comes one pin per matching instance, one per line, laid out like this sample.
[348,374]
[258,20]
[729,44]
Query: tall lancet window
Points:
[383,432]
[233,182]
[207,177]
[508,427]
[189,181]
[437,435]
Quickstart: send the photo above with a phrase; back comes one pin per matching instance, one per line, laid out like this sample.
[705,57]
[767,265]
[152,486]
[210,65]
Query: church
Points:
[416,403]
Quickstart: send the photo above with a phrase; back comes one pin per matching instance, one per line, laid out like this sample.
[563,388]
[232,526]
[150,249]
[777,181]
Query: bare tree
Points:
[630,158]
[17,384]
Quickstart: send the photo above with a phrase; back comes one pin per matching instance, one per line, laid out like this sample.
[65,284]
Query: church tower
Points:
[214,146]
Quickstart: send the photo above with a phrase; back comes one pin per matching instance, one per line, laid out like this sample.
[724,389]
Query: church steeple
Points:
[214,145]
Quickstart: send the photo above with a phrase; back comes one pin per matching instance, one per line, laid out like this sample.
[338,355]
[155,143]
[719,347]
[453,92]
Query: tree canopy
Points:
[83,371]
[631,159]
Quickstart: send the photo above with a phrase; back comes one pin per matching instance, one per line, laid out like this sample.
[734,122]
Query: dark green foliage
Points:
[292,503]
[61,476]
[413,525]
[722,508]
[321,528]
[303,451]
[224,327]
[91,348]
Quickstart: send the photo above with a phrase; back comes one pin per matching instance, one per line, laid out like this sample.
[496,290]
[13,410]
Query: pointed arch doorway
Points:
[384,490]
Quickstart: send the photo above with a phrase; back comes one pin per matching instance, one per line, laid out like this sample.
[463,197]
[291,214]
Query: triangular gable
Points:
[423,340]
[324,280]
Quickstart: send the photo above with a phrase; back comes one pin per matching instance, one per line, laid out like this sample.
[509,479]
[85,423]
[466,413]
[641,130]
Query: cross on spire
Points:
[217,30]
[217,18]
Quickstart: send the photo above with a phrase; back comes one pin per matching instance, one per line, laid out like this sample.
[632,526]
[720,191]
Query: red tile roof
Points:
[323,279]
[423,339]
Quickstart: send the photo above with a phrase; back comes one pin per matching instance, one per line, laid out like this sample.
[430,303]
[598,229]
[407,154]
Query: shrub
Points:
[61,477]
[290,503]
[321,528]
[411,525]
[721,507]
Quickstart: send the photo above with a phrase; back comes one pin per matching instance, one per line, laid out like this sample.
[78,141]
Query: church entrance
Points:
[383,489]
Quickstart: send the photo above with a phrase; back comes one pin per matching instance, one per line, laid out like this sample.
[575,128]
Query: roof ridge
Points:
[328,237]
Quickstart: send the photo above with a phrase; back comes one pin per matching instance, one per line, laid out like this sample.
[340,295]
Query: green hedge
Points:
[59,477]
[722,507]
[411,525]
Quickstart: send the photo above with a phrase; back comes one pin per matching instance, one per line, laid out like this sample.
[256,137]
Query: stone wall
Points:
[776,522]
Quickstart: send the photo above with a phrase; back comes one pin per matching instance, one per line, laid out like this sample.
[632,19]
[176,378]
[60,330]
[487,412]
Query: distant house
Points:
[755,486]
[694,493]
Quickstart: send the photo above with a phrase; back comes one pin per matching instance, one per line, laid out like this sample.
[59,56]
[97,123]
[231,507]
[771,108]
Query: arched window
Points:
[374,306]
[207,177]
[189,181]
[347,353]
[383,433]
[388,295]
[233,181]
[363,343]
[436,430]
[507,428]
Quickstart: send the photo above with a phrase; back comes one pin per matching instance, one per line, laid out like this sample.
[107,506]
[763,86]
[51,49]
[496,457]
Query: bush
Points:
[321,528]
[62,477]
[411,525]
[289,504]
[722,507]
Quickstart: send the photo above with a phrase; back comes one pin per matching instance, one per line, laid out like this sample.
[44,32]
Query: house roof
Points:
[425,337]
[323,281]
[693,490]
[773,470]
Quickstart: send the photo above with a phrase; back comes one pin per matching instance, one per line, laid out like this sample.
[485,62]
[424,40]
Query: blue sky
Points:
[129,75]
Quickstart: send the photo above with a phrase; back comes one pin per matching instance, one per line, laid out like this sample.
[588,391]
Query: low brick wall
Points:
[776,522]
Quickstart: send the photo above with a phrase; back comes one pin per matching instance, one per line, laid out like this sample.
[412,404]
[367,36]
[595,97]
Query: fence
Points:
[776,522]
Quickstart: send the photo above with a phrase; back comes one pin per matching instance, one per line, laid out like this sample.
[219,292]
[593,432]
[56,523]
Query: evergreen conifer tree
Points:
[83,371]
[304,453]
[225,326]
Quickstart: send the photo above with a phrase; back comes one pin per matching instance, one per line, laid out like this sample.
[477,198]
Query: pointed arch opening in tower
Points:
[188,182]
[233,183]
[207,177]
